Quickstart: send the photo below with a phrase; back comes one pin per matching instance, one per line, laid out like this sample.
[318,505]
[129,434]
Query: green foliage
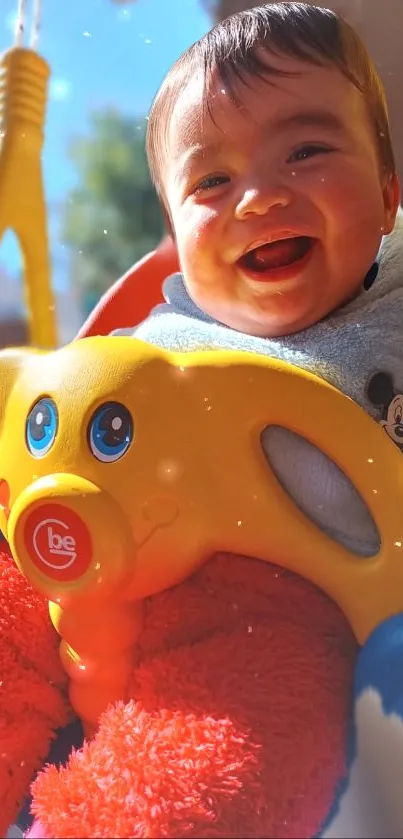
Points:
[113,217]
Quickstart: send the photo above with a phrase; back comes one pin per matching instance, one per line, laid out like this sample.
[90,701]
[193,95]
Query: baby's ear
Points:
[380,390]
[11,363]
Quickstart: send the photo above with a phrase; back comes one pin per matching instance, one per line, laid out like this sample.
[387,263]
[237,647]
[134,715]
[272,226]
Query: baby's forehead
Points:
[192,106]
[208,107]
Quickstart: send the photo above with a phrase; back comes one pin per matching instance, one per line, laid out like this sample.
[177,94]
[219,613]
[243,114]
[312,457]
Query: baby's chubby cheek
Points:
[200,238]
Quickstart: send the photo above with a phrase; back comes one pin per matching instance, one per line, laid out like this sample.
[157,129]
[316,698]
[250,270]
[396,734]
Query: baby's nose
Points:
[260,199]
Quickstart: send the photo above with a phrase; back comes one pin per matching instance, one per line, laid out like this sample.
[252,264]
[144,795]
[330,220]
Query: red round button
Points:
[58,542]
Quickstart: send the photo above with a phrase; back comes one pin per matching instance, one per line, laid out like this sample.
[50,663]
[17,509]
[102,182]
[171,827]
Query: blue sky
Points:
[101,53]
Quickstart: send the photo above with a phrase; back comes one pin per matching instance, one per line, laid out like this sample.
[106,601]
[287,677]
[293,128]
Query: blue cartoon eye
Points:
[41,427]
[110,432]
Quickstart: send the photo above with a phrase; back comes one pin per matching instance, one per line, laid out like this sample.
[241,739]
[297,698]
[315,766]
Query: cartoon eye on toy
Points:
[110,432]
[41,427]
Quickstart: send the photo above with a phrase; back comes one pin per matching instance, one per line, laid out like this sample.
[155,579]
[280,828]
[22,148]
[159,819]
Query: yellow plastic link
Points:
[23,93]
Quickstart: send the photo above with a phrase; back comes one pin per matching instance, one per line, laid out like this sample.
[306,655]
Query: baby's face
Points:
[279,204]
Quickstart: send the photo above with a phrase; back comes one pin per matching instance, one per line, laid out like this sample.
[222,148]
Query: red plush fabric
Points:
[237,725]
[32,687]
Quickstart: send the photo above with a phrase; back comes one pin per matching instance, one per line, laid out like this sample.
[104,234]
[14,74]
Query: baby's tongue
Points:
[277,254]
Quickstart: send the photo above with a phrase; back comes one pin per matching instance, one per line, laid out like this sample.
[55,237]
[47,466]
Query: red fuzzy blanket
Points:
[237,725]
[32,687]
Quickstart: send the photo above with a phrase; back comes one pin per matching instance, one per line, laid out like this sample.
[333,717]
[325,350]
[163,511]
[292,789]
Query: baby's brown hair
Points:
[233,50]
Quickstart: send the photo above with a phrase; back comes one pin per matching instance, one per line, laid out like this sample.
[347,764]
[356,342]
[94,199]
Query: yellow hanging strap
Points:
[24,79]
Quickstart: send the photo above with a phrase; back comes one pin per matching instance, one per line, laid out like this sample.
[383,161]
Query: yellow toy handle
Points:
[97,534]
[23,92]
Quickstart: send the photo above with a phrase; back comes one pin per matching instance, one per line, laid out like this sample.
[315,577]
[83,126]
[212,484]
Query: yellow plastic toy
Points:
[24,79]
[124,467]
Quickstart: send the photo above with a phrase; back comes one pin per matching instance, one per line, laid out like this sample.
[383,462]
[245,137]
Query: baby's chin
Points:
[251,311]
[261,325]
[276,315]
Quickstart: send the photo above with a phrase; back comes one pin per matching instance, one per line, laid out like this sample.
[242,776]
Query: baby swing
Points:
[24,76]
[134,540]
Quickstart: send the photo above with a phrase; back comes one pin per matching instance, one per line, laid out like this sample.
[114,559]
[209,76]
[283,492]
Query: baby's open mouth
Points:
[276,255]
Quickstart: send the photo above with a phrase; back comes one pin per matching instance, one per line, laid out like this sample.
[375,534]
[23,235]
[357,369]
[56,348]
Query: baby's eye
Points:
[211,182]
[307,151]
